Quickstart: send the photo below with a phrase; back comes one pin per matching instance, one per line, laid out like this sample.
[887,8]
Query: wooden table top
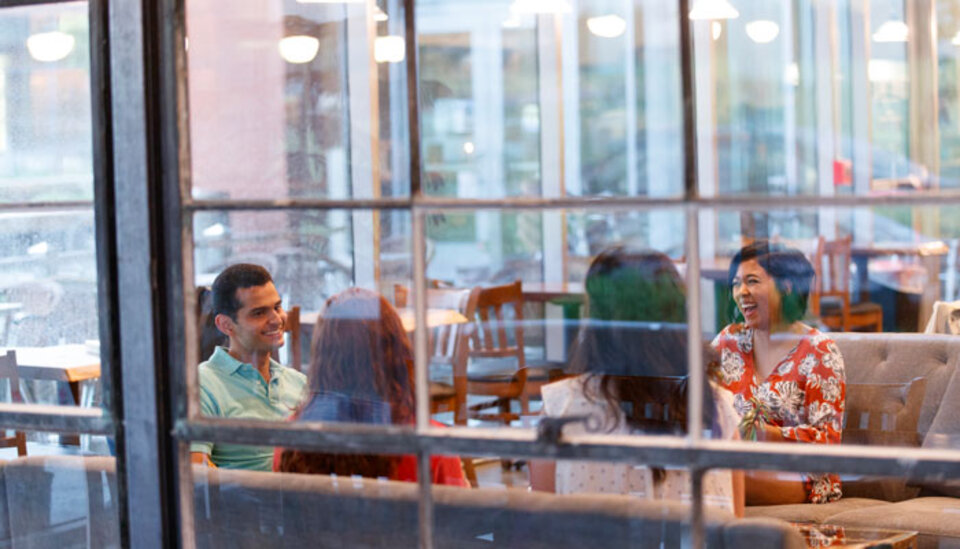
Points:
[435,317]
[548,291]
[71,363]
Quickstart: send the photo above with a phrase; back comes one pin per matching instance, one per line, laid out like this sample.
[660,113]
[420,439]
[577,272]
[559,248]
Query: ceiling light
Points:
[763,31]
[713,9]
[607,26]
[791,74]
[716,29]
[50,46]
[379,15]
[892,31]
[299,49]
[541,6]
[389,49]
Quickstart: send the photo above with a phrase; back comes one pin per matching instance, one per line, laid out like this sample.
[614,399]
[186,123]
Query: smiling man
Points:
[243,381]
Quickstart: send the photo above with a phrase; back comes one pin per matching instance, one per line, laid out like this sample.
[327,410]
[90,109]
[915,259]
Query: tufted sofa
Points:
[902,390]
[60,502]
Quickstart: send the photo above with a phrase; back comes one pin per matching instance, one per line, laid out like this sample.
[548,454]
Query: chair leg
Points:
[21,444]
[469,470]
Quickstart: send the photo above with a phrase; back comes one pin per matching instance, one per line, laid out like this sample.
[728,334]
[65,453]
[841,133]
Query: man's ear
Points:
[225,324]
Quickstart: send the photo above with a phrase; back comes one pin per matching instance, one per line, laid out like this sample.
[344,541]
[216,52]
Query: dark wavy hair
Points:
[791,272]
[361,350]
[635,339]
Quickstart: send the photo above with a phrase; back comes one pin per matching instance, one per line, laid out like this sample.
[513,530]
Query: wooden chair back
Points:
[831,265]
[498,333]
[294,350]
[9,371]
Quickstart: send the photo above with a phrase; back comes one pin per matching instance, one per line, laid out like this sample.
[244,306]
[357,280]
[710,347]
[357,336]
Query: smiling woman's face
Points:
[757,296]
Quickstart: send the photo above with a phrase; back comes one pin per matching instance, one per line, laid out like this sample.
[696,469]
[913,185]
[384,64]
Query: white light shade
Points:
[763,31]
[299,49]
[607,26]
[716,29]
[883,71]
[389,49]
[713,9]
[379,15]
[956,39]
[468,147]
[50,46]
[892,31]
[540,6]
[39,248]
[791,74]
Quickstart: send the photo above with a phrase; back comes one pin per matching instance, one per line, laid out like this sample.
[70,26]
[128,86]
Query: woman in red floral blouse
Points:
[787,377]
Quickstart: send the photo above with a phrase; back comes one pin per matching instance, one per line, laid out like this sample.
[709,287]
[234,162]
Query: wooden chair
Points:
[210,336]
[830,295]
[448,346]
[294,351]
[8,370]
[497,366]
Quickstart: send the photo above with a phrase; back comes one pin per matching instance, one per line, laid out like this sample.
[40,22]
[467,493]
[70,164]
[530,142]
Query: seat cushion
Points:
[813,512]
[834,308]
[937,519]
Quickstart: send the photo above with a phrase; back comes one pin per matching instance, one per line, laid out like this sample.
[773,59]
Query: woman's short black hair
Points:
[790,269]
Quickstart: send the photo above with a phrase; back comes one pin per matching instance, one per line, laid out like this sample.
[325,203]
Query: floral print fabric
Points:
[804,394]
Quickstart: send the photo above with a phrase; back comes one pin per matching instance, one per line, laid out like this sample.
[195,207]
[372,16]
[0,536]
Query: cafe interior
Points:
[551,273]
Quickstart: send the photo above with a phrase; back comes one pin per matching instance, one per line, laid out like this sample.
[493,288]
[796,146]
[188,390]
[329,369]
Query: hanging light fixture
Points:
[607,26]
[299,49]
[892,31]
[956,39]
[763,31]
[713,9]
[52,46]
[541,6]
[389,49]
[379,15]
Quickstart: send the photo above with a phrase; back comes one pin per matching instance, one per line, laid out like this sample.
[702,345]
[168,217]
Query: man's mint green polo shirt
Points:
[232,389]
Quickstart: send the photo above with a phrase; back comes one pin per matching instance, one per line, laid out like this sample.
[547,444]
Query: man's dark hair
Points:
[790,269]
[233,278]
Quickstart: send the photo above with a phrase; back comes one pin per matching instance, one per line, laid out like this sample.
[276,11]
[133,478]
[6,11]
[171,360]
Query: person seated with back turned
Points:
[787,377]
[631,353]
[242,380]
[361,372]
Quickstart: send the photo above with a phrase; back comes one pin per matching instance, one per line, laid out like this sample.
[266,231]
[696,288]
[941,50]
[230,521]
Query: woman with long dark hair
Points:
[631,357]
[787,377]
[360,371]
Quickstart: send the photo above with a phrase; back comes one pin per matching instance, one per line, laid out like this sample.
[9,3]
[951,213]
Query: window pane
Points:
[282,103]
[48,294]
[45,121]
[790,326]
[62,501]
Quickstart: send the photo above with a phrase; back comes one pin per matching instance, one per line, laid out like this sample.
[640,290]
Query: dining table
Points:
[435,317]
[73,364]
[77,365]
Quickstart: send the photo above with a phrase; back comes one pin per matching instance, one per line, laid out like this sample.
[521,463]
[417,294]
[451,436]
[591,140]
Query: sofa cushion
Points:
[944,433]
[255,509]
[937,519]
[899,358]
[812,512]
[883,414]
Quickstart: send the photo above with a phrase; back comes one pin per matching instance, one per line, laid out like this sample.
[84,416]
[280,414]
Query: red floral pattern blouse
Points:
[804,393]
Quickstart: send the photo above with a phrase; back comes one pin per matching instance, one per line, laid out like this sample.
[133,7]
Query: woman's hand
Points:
[769,433]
